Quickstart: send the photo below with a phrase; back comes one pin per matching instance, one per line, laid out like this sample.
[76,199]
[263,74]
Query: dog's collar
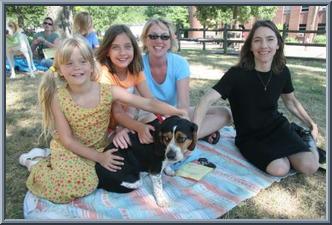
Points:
[159,118]
[13,40]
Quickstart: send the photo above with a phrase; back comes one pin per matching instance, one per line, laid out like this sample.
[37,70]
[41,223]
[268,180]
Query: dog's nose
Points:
[171,155]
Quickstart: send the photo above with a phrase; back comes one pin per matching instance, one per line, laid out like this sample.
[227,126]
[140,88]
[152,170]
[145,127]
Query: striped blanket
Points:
[233,181]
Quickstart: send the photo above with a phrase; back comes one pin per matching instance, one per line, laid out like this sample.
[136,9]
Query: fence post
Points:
[284,33]
[204,36]
[225,39]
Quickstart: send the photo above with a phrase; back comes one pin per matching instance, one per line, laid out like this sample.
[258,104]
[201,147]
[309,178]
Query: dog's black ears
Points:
[158,145]
[194,141]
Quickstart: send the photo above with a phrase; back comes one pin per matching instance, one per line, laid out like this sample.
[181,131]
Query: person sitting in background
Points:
[44,40]
[83,25]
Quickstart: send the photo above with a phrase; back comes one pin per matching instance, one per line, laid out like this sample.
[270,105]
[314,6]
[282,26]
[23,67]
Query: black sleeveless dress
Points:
[263,134]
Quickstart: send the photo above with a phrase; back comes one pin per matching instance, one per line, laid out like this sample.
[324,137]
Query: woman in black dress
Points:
[253,87]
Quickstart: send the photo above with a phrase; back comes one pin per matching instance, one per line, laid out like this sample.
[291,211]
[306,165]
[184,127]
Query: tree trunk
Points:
[53,11]
[63,18]
[236,11]
[20,20]
[193,22]
[67,20]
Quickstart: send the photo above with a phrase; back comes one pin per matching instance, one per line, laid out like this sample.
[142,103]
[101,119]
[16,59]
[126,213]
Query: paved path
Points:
[203,72]
[308,52]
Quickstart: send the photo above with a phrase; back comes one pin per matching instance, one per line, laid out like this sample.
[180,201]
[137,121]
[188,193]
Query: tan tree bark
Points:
[63,18]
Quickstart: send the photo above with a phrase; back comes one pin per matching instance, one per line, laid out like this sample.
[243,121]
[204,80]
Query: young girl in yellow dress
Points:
[76,114]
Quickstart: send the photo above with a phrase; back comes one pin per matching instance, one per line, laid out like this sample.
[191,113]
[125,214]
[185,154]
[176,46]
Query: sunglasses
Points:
[46,23]
[163,37]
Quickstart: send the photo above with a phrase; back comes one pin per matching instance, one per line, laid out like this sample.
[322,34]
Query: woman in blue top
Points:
[167,75]
[83,25]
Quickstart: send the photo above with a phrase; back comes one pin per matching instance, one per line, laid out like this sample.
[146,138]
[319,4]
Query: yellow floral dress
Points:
[65,176]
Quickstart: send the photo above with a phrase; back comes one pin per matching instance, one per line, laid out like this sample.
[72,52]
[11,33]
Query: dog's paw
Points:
[162,201]
[134,185]
[169,171]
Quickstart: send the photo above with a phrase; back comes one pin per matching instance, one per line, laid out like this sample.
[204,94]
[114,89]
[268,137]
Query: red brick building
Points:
[301,18]
[295,17]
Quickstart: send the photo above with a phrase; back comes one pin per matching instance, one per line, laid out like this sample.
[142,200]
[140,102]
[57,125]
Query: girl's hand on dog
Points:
[121,139]
[110,161]
[144,134]
[184,114]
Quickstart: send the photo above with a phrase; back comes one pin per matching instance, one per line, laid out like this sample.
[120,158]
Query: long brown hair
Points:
[135,66]
[247,60]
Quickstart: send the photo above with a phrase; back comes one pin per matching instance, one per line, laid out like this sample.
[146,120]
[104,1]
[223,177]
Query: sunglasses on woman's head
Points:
[46,23]
[163,37]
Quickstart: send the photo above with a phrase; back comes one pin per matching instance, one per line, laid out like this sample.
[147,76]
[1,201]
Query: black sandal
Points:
[322,158]
[214,139]
[307,138]
[322,155]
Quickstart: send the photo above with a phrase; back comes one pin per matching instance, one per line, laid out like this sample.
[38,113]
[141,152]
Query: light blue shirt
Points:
[177,69]
[92,39]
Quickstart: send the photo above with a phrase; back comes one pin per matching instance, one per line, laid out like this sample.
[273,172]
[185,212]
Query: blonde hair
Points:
[52,78]
[82,23]
[159,21]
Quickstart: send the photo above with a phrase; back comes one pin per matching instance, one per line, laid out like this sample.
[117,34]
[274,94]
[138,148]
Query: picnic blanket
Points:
[233,181]
[22,65]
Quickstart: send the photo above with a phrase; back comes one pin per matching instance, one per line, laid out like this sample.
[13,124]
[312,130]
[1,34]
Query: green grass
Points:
[296,197]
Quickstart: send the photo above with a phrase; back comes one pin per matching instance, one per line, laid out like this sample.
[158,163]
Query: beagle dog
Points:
[17,43]
[173,137]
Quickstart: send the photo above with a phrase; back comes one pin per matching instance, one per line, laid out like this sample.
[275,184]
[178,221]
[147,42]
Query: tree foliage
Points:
[26,16]
[176,14]
[212,16]
[105,16]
